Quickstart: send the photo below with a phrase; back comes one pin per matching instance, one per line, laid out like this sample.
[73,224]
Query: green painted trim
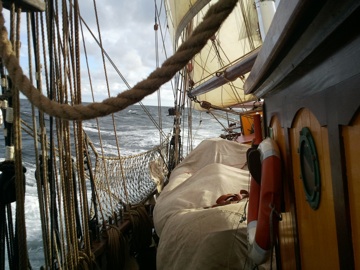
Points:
[309,166]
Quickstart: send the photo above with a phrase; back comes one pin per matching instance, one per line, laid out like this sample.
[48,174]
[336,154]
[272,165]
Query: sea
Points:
[136,133]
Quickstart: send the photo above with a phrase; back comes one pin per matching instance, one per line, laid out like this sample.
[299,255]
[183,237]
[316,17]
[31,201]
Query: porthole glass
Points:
[309,165]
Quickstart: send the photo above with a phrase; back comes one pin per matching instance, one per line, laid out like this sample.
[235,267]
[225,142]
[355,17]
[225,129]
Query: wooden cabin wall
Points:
[316,228]
[323,94]
[327,238]
[308,74]
[287,228]
[351,135]
[309,238]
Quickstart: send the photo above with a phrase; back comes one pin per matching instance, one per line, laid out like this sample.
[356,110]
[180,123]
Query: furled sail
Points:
[237,38]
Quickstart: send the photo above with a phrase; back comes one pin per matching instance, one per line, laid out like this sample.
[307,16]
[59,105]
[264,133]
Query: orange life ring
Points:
[264,203]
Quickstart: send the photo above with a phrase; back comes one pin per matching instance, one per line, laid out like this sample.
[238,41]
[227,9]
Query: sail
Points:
[238,37]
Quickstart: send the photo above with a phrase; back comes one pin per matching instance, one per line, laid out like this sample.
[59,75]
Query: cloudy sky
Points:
[128,37]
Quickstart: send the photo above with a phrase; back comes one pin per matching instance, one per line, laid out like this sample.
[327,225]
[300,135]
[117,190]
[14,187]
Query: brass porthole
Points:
[309,165]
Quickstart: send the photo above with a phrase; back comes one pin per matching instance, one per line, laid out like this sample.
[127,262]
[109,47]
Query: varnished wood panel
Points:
[318,67]
[316,228]
[351,136]
[286,226]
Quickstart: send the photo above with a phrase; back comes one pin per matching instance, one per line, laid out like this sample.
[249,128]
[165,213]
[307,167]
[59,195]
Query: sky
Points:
[128,37]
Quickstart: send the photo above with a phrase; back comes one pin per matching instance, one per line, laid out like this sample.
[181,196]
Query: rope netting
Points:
[128,179]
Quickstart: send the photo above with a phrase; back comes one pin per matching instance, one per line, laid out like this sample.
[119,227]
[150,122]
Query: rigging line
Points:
[243,22]
[73,211]
[94,192]
[41,198]
[153,120]
[157,65]
[79,144]
[227,117]
[190,125]
[118,72]
[241,220]
[183,101]
[68,55]
[156,37]
[210,112]
[219,70]
[52,165]
[203,69]
[211,22]
[9,235]
[45,145]
[97,121]
[219,108]
[63,48]
[221,61]
[158,12]
[107,83]
[168,17]
[65,191]
[20,227]
[230,83]
[247,23]
[51,175]
[81,148]
[198,128]
[217,53]
[180,79]
[246,19]
[174,156]
[123,177]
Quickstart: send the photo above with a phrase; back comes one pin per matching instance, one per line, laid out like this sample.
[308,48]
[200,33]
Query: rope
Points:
[87,262]
[141,225]
[33,22]
[19,177]
[116,247]
[117,71]
[272,232]
[97,121]
[212,21]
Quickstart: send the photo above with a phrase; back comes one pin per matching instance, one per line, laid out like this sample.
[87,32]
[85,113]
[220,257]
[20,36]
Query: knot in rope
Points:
[206,105]
[231,198]
[87,262]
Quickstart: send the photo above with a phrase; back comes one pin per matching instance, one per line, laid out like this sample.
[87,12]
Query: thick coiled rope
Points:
[116,250]
[141,224]
[211,23]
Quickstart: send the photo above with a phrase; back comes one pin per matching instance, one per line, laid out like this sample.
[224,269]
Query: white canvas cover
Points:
[194,237]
